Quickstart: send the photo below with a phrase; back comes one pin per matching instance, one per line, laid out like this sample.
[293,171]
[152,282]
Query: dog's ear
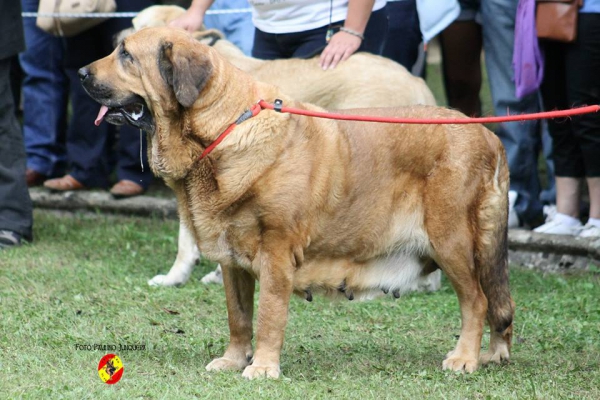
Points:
[185,69]
[208,36]
[119,36]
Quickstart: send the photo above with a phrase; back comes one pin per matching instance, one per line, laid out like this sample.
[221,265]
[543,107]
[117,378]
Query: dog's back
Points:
[363,80]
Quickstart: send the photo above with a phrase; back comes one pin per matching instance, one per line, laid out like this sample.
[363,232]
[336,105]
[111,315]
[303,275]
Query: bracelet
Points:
[350,31]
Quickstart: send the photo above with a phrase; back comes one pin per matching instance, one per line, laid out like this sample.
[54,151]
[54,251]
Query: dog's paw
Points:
[164,280]
[213,277]
[257,371]
[226,364]
[431,282]
[456,362]
[497,355]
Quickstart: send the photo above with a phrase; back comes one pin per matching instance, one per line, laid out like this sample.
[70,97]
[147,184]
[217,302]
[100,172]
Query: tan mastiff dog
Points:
[307,205]
[358,82]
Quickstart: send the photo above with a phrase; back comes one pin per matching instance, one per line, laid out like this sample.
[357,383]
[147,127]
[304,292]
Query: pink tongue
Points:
[101,114]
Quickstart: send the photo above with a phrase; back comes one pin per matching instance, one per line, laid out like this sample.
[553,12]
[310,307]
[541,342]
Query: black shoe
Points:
[9,239]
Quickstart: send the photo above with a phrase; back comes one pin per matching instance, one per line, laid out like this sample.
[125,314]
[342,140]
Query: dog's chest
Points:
[225,238]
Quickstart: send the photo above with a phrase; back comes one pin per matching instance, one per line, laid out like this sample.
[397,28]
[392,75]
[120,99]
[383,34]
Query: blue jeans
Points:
[45,94]
[95,151]
[522,140]
[238,28]
[404,35]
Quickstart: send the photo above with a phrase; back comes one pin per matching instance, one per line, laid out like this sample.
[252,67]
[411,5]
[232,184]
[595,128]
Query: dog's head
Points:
[149,81]
[153,16]
[159,15]
[148,70]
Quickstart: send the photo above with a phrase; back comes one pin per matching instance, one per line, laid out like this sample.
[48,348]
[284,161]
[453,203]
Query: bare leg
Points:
[594,189]
[568,195]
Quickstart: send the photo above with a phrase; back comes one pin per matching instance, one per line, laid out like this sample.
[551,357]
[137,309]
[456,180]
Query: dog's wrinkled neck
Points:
[213,111]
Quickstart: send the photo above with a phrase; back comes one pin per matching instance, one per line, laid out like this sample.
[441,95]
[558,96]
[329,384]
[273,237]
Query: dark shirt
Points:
[12,39]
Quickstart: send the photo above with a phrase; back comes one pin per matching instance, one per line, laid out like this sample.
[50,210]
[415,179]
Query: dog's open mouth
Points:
[135,113]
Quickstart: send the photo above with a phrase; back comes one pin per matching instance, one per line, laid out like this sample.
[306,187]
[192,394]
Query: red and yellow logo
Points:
[110,369]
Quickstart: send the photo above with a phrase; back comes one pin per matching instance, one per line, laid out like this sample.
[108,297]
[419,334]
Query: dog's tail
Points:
[491,257]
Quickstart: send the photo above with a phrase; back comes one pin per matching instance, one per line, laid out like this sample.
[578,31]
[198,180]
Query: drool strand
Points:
[141,160]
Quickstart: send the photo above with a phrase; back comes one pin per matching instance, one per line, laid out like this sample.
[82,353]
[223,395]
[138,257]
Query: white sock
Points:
[567,219]
[594,221]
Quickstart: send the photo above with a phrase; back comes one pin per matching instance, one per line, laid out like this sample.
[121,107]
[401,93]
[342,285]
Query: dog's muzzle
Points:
[133,110]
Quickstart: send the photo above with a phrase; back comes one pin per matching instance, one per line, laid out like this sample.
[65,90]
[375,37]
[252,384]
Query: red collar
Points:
[252,112]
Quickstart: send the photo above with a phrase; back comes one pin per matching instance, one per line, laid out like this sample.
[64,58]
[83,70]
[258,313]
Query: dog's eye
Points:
[125,54]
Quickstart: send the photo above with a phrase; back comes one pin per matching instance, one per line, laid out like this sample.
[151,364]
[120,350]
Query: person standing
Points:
[92,150]
[16,219]
[45,91]
[571,80]
[522,140]
[306,28]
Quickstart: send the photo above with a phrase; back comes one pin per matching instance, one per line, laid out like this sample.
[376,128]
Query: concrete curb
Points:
[552,253]
[102,201]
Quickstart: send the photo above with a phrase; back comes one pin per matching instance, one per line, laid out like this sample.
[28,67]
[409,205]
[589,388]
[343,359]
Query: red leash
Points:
[278,106]
[428,121]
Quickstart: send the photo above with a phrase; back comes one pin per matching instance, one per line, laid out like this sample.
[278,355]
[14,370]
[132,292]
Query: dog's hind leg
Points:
[187,256]
[239,292]
[492,265]
[460,270]
[454,253]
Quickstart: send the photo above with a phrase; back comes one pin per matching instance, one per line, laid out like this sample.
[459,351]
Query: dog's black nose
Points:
[83,73]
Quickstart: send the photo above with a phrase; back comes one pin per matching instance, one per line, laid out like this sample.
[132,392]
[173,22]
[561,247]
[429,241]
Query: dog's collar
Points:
[246,115]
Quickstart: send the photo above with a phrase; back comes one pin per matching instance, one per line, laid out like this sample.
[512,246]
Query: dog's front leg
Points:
[239,292]
[276,283]
[187,256]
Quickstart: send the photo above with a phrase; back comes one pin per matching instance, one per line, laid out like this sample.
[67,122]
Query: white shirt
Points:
[287,16]
[435,16]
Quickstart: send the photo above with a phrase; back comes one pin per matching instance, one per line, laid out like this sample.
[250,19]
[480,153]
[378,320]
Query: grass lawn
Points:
[83,282]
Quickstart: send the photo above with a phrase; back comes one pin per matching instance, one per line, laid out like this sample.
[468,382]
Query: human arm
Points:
[193,18]
[343,44]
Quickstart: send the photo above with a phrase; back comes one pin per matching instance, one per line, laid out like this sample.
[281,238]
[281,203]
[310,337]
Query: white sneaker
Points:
[513,218]
[559,226]
[590,231]
[549,212]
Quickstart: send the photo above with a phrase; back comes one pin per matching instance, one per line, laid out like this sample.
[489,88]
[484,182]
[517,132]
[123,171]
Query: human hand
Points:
[191,21]
[341,46]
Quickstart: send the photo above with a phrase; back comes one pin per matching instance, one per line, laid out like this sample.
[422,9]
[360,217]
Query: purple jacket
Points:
[528,60]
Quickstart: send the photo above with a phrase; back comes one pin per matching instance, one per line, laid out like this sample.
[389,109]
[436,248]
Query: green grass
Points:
[83,281]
